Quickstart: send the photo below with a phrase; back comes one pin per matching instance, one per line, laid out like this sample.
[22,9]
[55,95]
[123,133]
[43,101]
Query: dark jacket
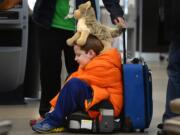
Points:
[172,19]
[44,10]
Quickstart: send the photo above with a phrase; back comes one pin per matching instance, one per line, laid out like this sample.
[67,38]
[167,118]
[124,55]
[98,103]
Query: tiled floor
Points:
[21,114]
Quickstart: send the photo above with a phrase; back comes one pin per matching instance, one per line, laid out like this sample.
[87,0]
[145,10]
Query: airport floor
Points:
[21,114]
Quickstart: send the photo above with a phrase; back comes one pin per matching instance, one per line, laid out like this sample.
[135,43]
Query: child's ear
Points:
[91,53]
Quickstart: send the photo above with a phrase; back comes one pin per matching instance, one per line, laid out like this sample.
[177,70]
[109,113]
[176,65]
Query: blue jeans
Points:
[71,99]
[173,88]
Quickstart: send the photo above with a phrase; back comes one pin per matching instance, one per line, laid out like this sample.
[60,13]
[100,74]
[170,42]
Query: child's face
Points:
[83,57]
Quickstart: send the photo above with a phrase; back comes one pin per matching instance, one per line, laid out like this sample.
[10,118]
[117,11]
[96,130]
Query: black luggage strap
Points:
[124,46]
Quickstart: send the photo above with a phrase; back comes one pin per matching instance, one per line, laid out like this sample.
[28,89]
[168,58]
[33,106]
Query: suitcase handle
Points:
[124,46]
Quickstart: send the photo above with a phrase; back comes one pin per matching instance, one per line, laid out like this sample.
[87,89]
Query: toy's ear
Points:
[88,5]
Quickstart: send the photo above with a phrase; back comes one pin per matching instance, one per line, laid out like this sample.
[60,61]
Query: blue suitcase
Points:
[138,102]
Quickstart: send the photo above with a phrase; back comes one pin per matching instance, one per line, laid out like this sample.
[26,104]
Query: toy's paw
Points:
[69,42]
[81,42]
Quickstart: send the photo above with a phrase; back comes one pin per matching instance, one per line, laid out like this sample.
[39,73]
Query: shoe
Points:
[47,128]
[34,121]
[161,132]
[44,127]
[160,126]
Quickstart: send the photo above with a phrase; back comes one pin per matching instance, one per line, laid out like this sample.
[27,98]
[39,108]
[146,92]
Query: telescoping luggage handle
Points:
[134,60]
[124,46]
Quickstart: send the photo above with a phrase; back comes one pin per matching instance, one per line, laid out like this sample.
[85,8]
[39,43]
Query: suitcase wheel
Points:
[127,127]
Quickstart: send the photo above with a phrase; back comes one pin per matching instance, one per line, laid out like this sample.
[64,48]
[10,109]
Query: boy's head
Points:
[83,54]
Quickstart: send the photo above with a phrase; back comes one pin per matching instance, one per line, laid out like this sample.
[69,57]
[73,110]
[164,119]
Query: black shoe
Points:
[160,126]
[161,133]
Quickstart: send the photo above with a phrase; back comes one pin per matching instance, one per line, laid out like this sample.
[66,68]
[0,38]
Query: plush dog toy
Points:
[87,24]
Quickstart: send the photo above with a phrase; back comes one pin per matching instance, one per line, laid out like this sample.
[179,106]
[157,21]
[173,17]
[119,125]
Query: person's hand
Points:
[120,22]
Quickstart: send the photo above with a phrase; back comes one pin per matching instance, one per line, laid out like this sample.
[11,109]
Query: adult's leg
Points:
[173,88]
[71,99]
[69,55]
[50,66]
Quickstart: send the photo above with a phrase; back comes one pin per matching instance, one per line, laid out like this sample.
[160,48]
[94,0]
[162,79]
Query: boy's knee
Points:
[74,81]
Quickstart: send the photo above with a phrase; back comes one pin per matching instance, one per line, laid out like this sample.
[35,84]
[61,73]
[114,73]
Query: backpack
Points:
[81,122]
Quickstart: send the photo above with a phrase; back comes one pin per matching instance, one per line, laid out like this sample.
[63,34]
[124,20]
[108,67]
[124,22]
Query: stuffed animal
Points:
[87,24]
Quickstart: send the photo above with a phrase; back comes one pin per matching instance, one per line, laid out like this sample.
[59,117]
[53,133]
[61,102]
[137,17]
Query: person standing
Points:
[172,21]
[54,27]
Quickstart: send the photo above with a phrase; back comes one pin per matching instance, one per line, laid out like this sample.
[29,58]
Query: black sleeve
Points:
[114,8]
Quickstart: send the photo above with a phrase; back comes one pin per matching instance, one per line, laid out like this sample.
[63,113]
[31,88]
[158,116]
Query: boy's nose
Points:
[75,58]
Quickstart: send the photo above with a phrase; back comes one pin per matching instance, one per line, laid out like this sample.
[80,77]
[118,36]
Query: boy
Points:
[52,22]
[98,78]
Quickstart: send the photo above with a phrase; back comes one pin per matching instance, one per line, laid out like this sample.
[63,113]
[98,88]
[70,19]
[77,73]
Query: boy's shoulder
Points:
[113,51]
[112,55]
